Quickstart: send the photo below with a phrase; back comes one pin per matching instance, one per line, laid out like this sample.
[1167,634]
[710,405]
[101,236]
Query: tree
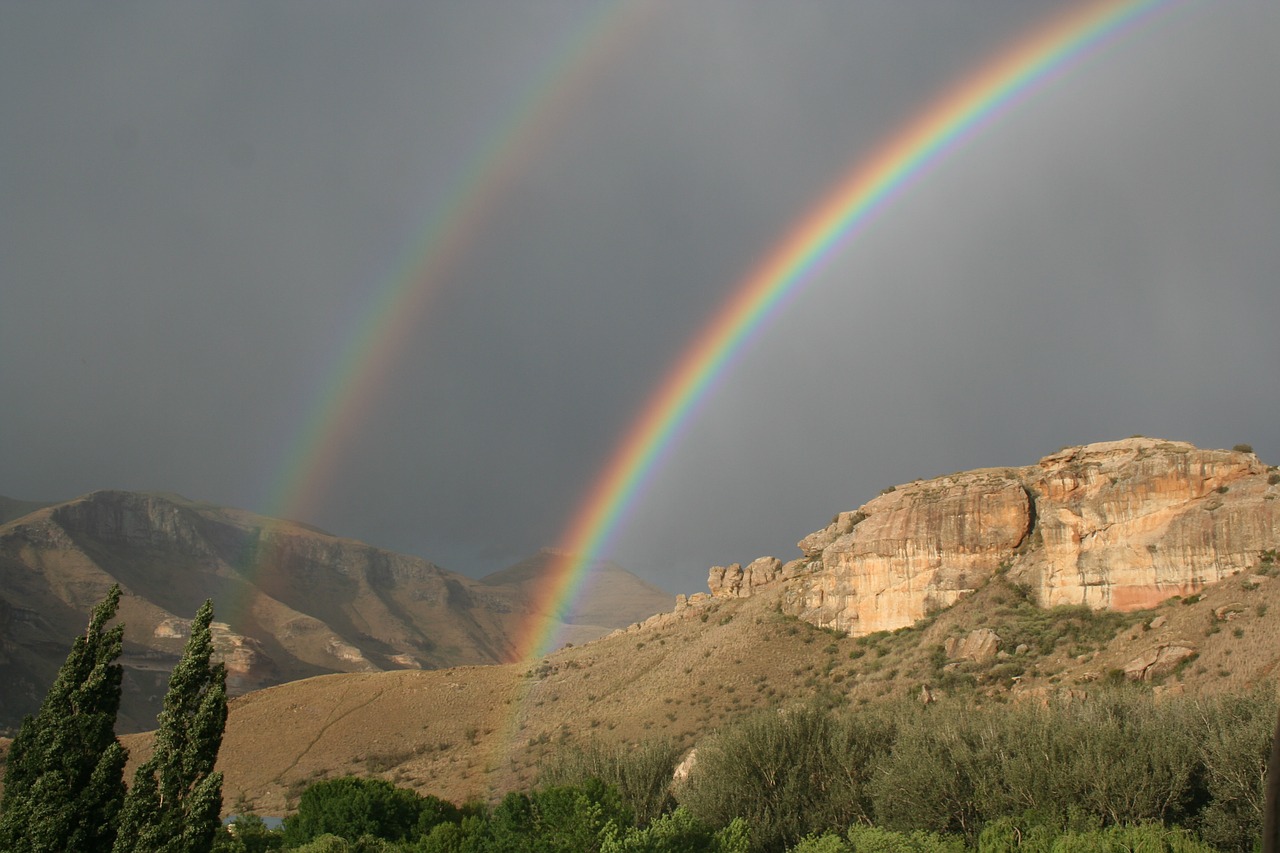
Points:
[787,774]
[350,807]
[175,800]
[64,783]
[641,775]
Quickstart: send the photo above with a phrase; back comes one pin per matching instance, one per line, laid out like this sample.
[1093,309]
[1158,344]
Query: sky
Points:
[202,205]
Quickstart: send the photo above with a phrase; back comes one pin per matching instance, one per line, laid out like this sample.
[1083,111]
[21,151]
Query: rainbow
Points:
[350,384]
[856,198]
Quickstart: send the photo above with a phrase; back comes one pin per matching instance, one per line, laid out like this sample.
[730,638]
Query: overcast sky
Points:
[199,201]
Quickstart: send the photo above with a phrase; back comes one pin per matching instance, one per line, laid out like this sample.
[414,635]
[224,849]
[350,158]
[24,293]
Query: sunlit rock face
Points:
[1120,525]
[1127,524]
[915,549]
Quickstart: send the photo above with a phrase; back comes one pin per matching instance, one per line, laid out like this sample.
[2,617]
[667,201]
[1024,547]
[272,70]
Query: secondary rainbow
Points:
[857,197]
[349,384]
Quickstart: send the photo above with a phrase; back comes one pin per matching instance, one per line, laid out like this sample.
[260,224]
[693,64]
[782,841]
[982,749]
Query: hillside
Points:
[479,731]
[11,508]
[612,598]
[754,642]
[293,601]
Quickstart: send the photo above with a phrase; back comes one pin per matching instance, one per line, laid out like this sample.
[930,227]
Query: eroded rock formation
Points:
[1120,524]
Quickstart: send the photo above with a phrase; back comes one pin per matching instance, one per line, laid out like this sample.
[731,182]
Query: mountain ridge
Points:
[293,601]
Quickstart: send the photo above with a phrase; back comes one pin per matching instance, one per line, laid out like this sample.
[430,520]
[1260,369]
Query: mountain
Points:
[294,601]
[611,598]
[1121,561]
[11,508]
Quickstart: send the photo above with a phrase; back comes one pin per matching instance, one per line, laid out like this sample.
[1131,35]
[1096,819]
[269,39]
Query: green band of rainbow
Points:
[396,307]
[855,199]
[351,383]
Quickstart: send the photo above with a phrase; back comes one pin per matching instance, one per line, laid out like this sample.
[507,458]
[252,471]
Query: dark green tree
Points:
[174,803]
[64,780]
[351,807]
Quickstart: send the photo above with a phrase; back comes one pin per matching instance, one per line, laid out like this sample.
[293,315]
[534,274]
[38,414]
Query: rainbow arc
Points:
[864,191]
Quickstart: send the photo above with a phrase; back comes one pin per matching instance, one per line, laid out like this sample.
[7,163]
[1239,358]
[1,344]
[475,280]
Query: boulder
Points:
[1158,661]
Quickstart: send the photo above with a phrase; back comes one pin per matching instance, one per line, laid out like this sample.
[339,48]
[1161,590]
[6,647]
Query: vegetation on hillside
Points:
[1119,771]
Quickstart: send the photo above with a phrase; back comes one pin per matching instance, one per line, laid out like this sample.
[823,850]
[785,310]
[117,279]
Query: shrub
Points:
[641,775]
[350,807]
[788,773]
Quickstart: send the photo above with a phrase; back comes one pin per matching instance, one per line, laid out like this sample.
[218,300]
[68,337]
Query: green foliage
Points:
[675,832]
[1119,756]
[1042,629]
[175,800]
[872,839]
[64,777]
[826,843]
[326,843]
[641,775]
[350,807]
[1115,772]
[248,833]
[787,774]
[557,819]
[1142,838]
[1235,737]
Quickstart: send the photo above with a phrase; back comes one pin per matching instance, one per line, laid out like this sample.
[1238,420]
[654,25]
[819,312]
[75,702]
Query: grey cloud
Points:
[204,200]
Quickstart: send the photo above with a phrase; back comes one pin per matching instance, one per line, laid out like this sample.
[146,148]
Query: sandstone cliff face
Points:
[1122,525]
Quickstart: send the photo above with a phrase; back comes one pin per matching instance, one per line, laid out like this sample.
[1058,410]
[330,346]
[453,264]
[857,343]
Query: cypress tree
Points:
[64,783]
[175,801]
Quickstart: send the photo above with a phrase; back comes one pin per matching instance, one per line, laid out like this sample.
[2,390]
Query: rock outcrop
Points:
[1121,525]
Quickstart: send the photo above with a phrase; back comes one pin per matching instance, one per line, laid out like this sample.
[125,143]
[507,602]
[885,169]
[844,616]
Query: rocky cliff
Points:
[1121,525]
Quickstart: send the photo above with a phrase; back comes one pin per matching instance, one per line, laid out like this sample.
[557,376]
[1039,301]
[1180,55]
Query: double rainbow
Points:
[857,198]
[355,377]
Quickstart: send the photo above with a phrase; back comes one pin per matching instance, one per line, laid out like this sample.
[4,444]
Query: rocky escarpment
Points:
[1121,525]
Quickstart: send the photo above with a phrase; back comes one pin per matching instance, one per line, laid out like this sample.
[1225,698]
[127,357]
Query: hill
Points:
[612,597]
[294,601]
[11,508]
[756,640]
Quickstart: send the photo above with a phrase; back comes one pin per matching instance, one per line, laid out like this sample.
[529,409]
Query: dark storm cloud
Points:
[200,201]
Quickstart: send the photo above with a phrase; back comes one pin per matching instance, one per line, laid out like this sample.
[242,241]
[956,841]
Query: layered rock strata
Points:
[1121,525]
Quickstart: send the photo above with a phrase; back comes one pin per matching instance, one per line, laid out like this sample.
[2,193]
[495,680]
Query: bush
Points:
[349,808]
[870,839]
[556,819]
[1120,757]
[642,776]
[1148,838]
[1235,739]
[676,832]
[787,774]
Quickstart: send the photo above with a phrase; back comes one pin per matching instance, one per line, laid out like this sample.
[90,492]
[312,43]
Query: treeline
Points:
[1118,771]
